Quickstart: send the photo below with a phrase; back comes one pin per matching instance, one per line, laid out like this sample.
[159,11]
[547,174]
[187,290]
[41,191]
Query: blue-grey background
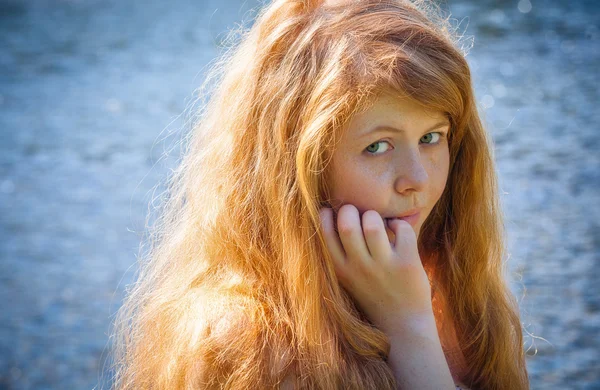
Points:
[91,93]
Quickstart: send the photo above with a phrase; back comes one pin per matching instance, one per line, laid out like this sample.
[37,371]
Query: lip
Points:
[410,216]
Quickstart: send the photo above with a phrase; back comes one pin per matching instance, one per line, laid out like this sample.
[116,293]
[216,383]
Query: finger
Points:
[375,235]
[351,235]
[405,243]
[334,245]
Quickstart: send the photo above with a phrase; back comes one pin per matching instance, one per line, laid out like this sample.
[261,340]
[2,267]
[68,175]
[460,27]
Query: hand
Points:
[387,280]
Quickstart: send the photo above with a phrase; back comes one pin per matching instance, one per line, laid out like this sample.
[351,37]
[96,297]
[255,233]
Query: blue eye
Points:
[374,148]
[430,138]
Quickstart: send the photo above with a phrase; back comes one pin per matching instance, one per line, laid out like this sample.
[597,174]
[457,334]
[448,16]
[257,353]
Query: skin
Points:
[375,176]
[402,171]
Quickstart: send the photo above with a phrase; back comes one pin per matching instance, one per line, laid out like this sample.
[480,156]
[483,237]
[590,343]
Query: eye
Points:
[431,138]
[375,148]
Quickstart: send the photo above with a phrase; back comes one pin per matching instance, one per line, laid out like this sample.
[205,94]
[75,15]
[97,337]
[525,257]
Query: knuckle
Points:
[363,272]
[345,228]
[370,228]
[371,221]
[346,219]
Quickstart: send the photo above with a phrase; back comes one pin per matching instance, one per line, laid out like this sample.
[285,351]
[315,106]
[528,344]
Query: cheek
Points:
[439,174]
[357,185]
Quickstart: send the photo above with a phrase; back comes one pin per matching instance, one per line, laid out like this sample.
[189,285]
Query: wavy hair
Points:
[238,290]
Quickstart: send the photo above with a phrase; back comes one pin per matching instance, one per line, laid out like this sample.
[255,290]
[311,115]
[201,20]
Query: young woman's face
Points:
[394,159]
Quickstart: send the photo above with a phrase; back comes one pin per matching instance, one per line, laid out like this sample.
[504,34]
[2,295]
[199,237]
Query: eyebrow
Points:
[379,129]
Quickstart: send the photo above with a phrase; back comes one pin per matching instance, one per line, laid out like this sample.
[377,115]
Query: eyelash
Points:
[440,134]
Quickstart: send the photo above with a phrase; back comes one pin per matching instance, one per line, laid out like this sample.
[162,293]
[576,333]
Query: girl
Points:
[334,222]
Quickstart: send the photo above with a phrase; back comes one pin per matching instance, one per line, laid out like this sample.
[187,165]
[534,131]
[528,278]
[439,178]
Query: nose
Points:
[411,175]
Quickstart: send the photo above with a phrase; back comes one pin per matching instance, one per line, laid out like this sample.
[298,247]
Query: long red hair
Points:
[237,290]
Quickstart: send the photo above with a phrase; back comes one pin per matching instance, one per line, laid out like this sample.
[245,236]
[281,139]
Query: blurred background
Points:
[92,94]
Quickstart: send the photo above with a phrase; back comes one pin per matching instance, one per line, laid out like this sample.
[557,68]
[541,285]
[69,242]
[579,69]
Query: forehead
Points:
[396,112]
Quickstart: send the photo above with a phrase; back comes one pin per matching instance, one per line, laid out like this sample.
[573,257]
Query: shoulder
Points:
[224,322]
[208,323]
[239,346]
[219,340]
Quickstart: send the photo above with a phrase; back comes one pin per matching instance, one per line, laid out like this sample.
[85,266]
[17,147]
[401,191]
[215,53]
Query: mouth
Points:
[411,216]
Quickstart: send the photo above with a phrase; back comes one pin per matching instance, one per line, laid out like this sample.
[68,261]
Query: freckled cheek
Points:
[438,174]
[359,187]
